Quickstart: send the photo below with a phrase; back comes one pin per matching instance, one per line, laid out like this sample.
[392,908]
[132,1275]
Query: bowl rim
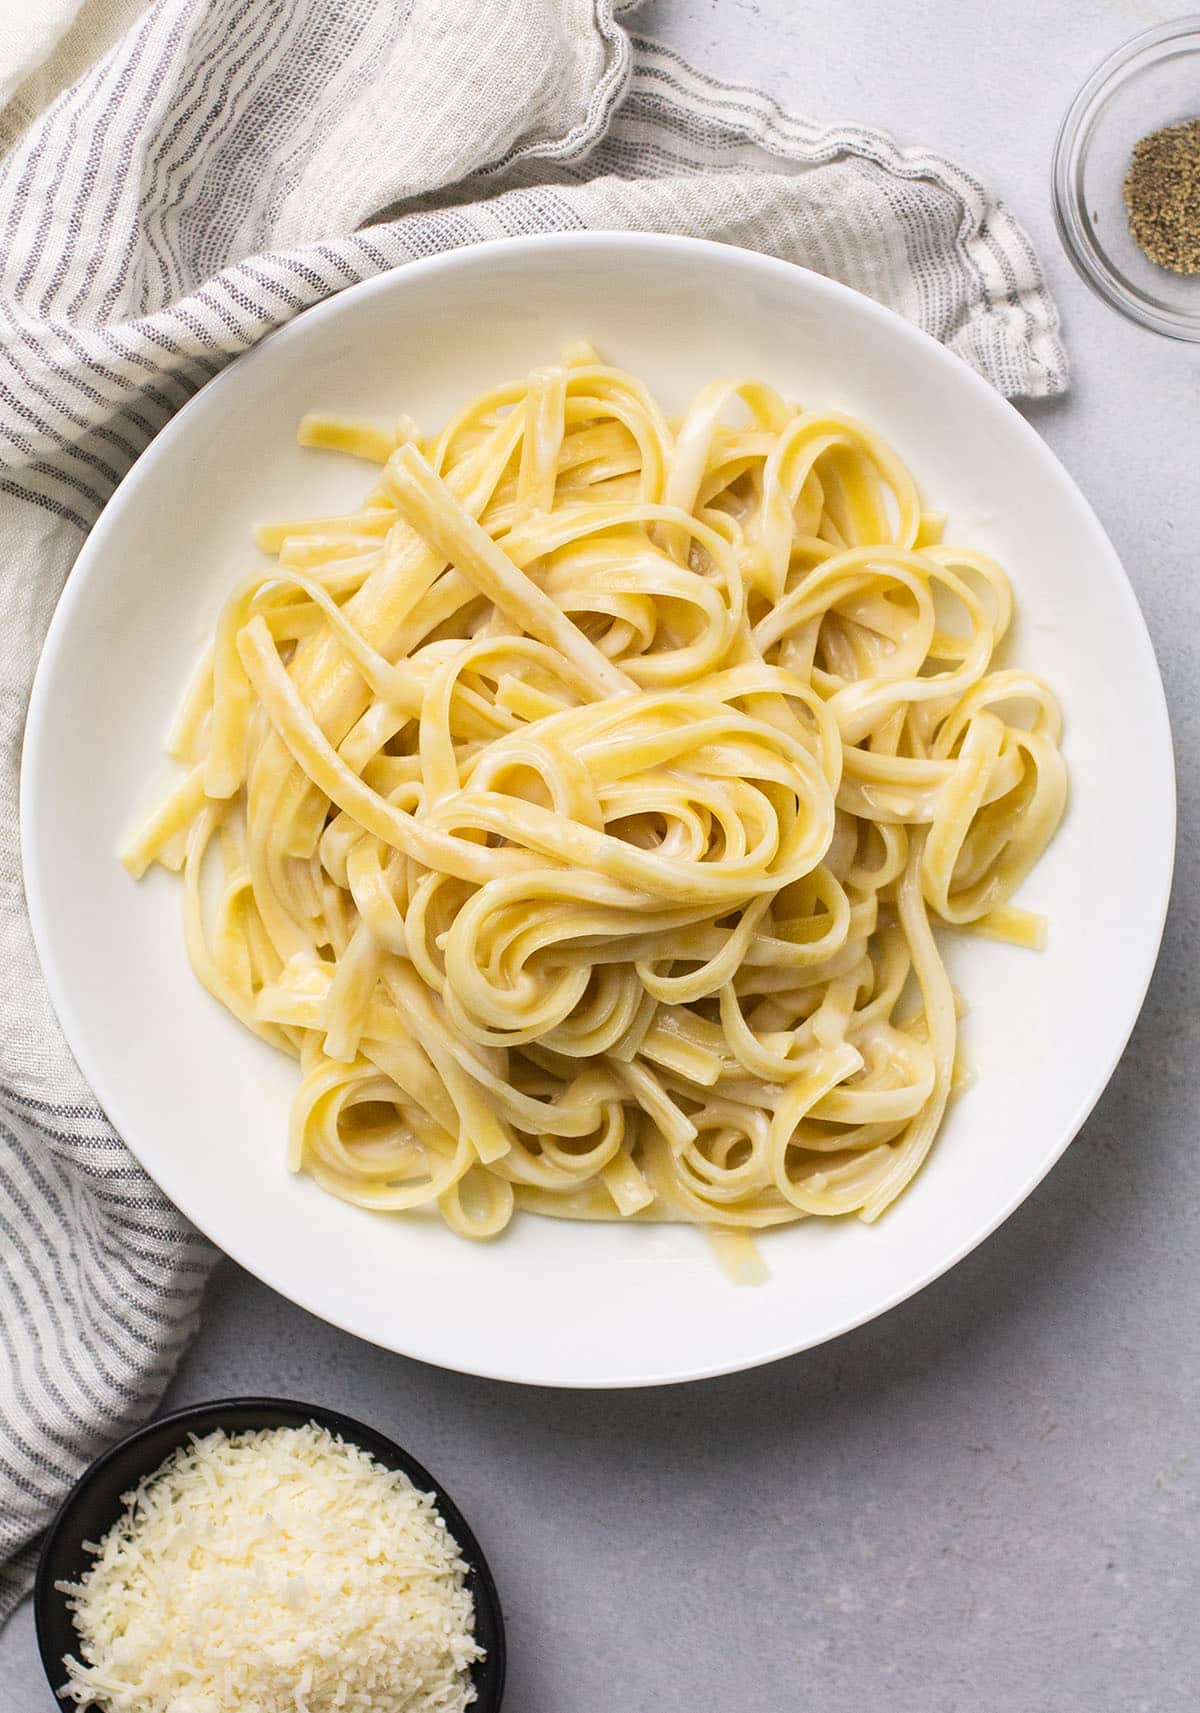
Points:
[489,1673]
[682,248]
[1074,230]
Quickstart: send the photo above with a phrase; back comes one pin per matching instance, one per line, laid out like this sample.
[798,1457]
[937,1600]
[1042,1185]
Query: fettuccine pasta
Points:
[580,806]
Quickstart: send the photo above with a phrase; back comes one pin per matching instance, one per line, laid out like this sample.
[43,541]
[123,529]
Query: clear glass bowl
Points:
[1152,81]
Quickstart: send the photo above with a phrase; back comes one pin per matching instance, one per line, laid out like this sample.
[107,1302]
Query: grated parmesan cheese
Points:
[284,1571]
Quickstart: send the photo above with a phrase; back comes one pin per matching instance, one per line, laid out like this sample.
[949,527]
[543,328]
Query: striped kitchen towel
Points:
[224,165]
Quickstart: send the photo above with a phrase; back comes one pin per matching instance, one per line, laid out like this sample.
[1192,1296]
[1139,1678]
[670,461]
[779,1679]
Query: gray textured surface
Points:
[987,1501]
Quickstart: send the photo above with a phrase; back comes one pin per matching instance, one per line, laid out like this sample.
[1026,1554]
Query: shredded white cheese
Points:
[276,1572]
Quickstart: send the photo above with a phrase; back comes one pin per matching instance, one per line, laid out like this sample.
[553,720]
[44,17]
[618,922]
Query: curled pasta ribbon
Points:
[578,810]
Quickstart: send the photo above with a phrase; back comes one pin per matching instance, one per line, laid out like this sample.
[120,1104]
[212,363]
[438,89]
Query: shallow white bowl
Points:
[203,1105]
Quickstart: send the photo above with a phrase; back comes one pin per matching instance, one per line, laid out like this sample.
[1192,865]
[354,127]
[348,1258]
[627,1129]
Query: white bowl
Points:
[203,1105]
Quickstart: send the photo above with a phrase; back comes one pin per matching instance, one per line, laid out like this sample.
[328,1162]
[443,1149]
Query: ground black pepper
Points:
[1162,195]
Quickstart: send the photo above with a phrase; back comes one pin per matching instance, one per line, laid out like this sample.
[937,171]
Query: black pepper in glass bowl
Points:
[1123,183]
[1162,196]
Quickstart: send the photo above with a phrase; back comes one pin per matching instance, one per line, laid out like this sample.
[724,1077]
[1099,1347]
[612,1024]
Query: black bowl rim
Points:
[488,1675]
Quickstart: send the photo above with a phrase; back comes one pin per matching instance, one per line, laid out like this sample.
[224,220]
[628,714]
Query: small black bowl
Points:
[94,1504]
